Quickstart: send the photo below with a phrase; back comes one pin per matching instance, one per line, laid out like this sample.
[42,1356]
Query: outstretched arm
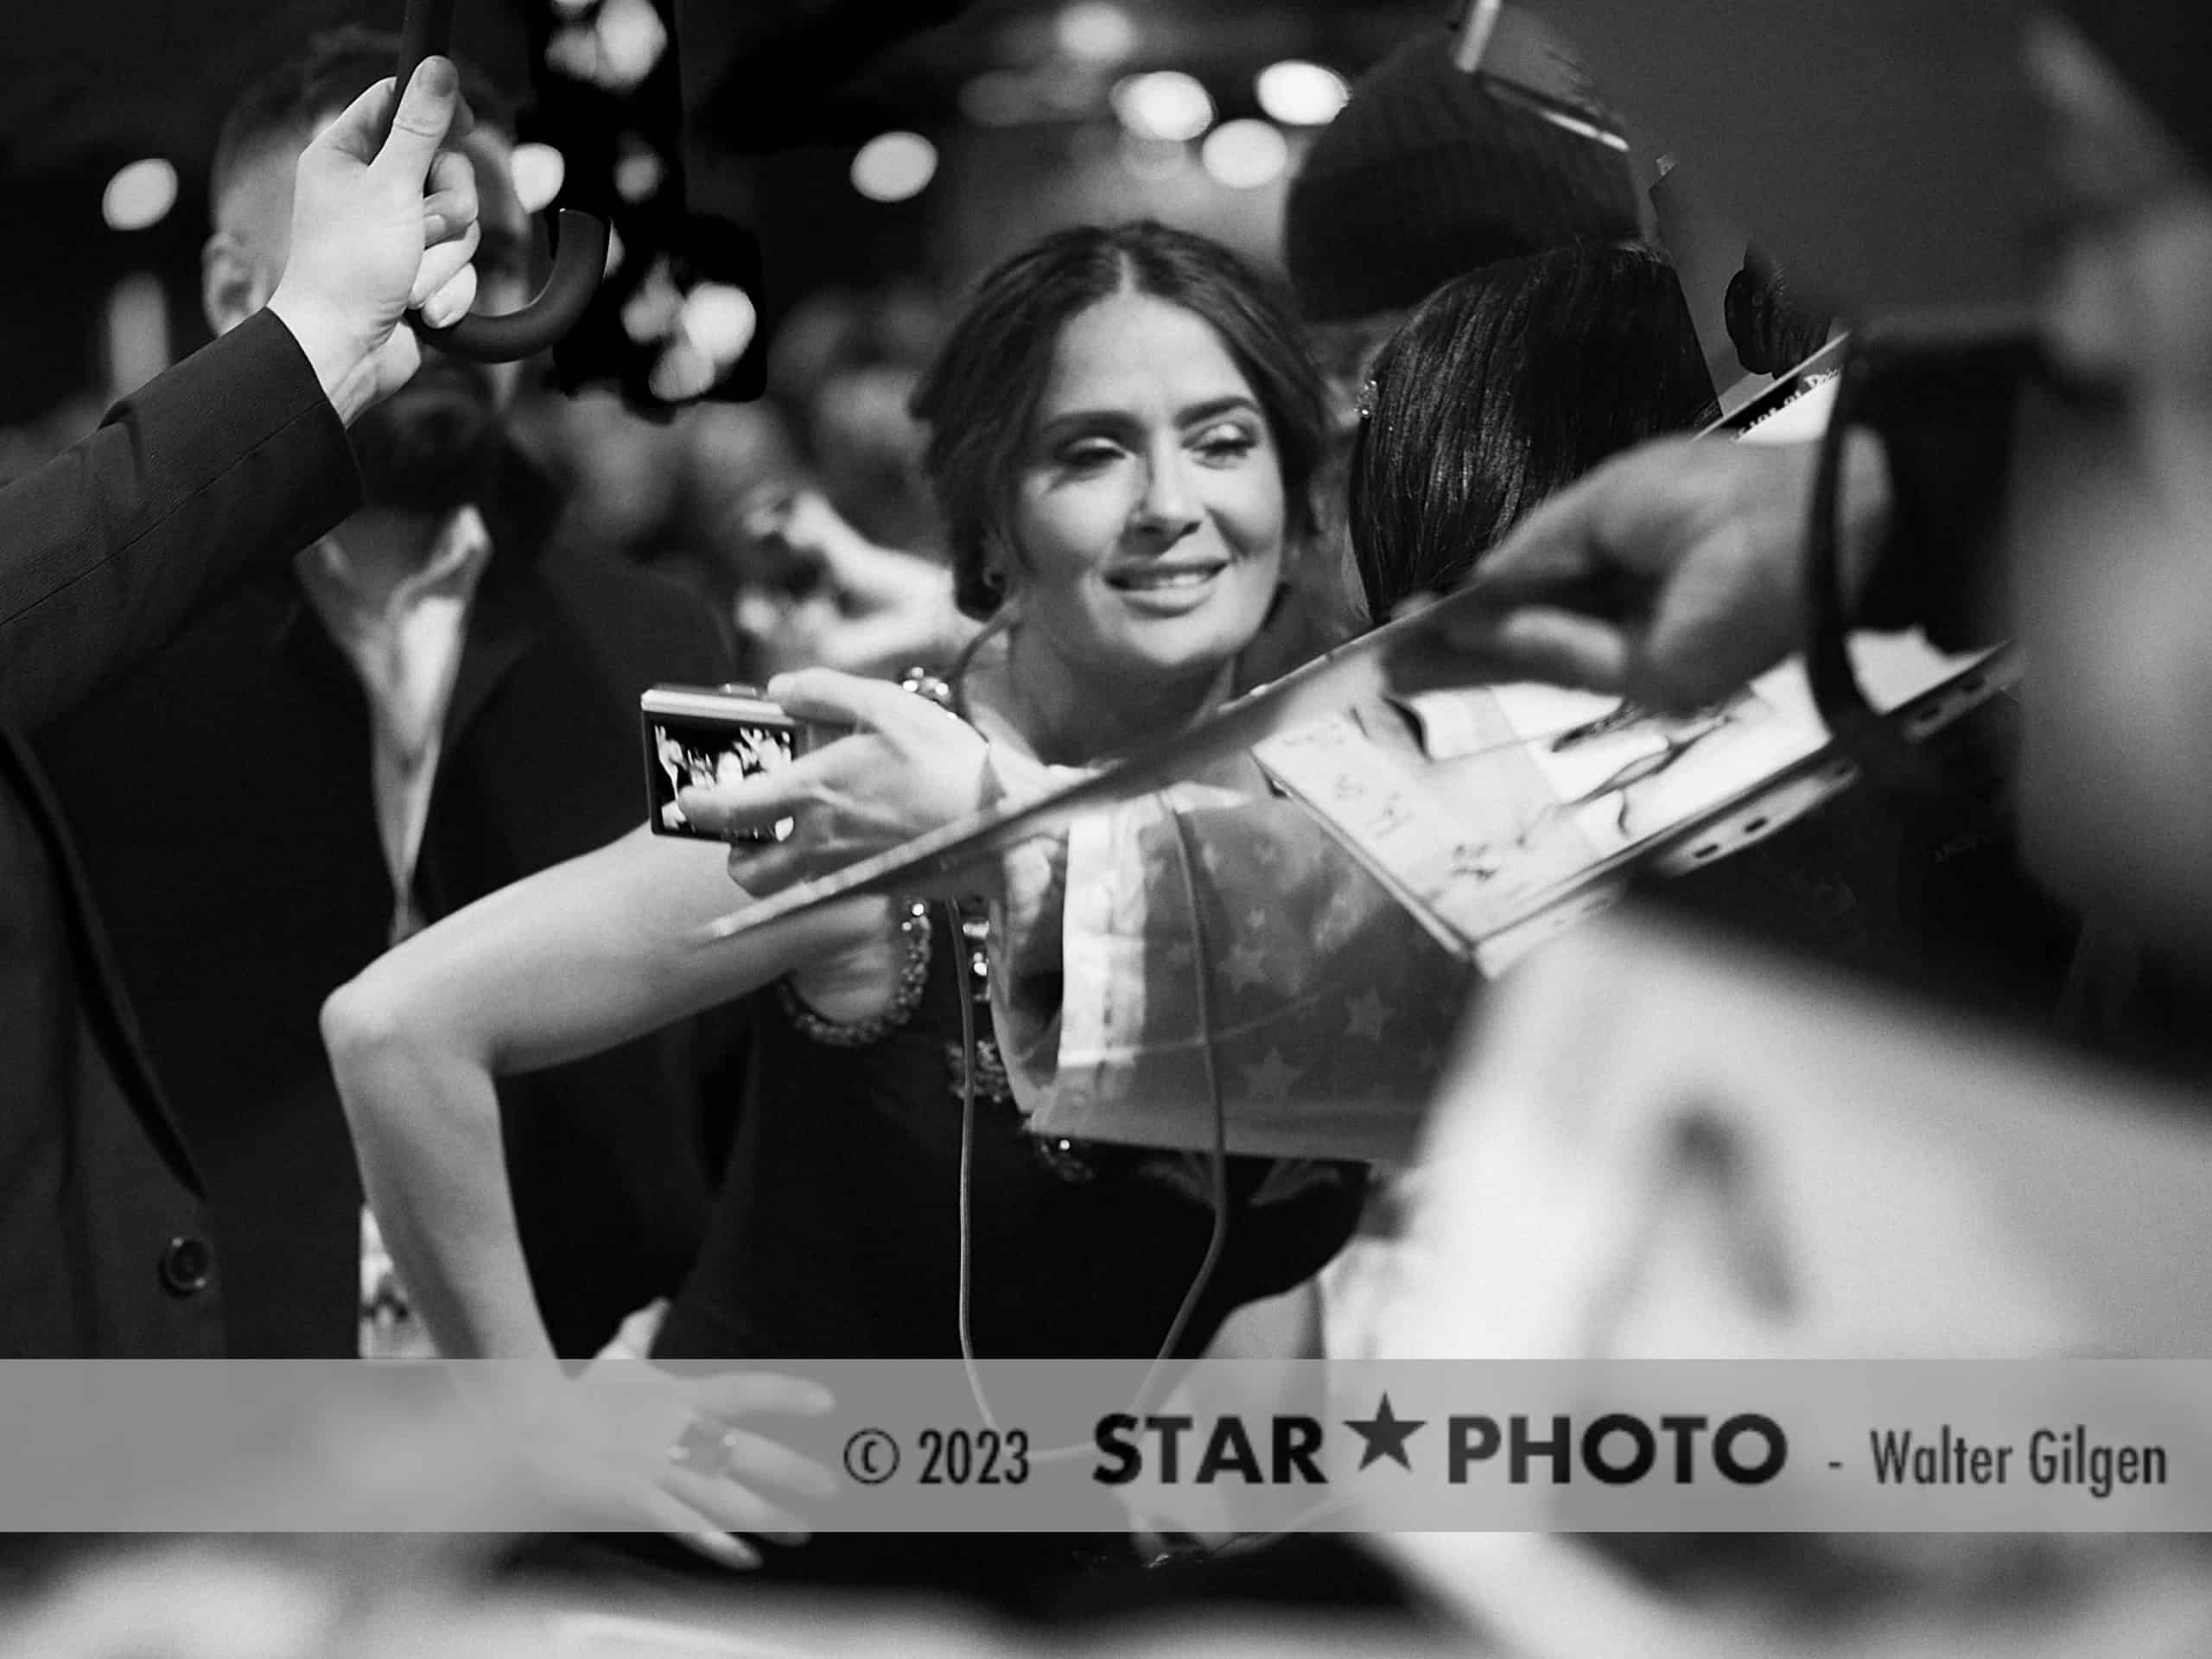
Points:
[573,960]
[237,455]
[1126,980]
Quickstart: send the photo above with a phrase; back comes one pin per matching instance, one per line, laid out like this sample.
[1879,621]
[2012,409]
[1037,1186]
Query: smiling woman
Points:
[1124,426]
[1149,517]
[1114,428]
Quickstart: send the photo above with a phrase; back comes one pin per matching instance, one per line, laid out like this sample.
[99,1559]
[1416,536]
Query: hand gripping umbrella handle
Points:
[579,247]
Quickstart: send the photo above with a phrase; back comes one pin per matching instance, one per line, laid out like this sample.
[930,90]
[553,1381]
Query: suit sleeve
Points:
[232,456]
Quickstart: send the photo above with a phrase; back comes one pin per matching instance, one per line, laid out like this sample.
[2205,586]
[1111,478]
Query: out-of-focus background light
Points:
[894,167]
[616,50]
[633,36]
[1245,155]
[1165,104]
[640,171]
[1096,31]
[651,313]
[705,331]
[1300,94]
[538,171]
[720,320]
[997,122]
[139,195]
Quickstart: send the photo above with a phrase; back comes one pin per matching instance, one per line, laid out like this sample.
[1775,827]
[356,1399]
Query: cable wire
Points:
[1217,1240]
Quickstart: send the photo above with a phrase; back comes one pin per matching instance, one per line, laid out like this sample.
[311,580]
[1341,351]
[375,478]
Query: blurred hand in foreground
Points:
[1670,575]
[628,1443]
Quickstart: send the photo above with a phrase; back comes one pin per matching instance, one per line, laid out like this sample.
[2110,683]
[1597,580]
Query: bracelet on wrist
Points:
[913,973]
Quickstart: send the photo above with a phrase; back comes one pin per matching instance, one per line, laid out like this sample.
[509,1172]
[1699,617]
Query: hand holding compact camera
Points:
[703,737]
[869,764]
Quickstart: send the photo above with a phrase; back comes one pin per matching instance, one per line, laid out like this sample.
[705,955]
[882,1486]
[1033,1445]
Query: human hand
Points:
[1670,575]
[909,767]
[630,1443]
[378,224]
[837,600]
[634,1338]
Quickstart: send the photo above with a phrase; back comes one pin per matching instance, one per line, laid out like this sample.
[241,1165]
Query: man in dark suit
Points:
[234,456]
[420,708]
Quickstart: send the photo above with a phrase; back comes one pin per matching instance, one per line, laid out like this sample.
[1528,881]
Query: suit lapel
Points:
[512,610]
[296,635]
[503,622]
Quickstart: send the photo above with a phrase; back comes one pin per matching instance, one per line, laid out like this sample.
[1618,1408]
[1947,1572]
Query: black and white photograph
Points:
[1425,860]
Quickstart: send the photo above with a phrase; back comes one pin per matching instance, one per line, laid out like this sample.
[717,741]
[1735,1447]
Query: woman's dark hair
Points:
[1503,386]
[1772,327]
[980,397]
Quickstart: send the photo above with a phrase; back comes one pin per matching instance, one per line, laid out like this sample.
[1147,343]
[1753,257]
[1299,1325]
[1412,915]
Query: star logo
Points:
[1385,1434]
[1369,1013]
[1272,1078]
[1246,966]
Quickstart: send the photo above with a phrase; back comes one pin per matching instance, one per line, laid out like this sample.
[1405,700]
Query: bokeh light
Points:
[894,167]
[633,36]
[1166,104]
[1300,94]
[616,50]
[639,170]
[139,195]
[538,170]
[651,310]
[1245,155]
[719,320]
[1096,31]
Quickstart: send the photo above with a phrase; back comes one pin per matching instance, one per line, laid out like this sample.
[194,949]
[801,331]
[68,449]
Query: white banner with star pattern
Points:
[1218,1448]
[1295,996]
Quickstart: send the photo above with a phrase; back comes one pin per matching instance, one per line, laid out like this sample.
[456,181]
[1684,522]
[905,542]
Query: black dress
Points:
[836,1232]
[836,1235]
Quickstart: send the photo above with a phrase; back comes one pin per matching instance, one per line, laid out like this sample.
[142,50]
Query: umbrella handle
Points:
[579,246]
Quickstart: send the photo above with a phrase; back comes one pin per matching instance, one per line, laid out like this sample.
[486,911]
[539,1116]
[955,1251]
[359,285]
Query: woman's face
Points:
[1148,513]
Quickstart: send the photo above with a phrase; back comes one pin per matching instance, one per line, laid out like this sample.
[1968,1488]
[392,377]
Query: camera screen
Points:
[687,754]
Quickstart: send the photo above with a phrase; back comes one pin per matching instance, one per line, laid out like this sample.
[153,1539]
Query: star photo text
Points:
[1613,1449]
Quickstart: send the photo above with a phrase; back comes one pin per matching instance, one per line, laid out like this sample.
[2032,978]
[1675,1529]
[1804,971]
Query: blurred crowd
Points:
[802,519]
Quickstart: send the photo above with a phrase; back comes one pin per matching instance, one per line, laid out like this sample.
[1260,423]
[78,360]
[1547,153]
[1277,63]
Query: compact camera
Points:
[701,736]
